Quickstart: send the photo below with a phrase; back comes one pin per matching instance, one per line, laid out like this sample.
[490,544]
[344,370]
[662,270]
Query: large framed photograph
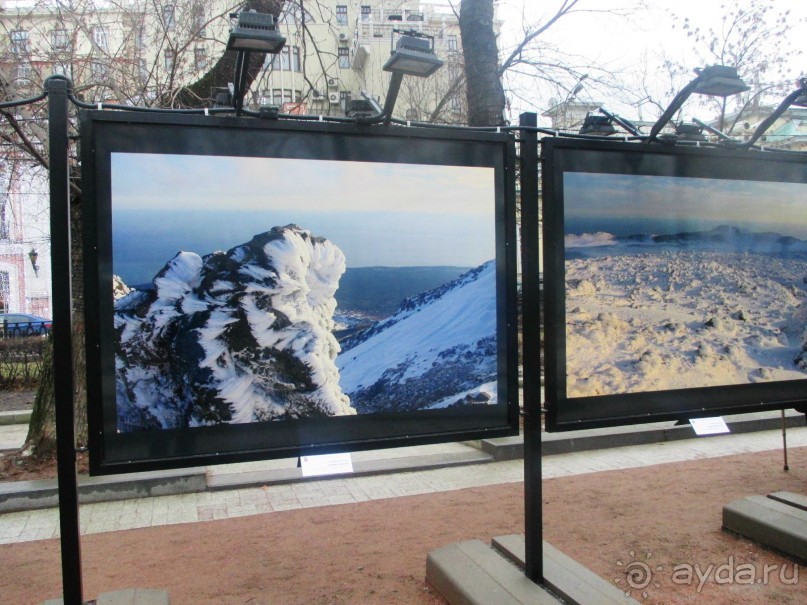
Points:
[675,282]
[258,289]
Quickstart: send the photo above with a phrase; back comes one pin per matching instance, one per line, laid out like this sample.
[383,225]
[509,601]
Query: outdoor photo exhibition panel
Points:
[675,282]
[263,289]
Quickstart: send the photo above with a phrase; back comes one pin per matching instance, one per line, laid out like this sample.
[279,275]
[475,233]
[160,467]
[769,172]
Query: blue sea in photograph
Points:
[144,241]
[598,238]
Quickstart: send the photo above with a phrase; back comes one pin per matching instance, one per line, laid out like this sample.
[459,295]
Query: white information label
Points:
[709,426]
[326,464]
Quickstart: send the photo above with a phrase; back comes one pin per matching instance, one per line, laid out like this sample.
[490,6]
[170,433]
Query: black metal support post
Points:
[392,95]
[240,84]
[63,339]
[531,353]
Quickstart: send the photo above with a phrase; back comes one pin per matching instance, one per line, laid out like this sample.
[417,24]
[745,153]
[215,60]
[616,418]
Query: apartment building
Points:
[142,53]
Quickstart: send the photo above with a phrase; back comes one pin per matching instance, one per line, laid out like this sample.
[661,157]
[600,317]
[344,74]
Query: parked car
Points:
[22,324]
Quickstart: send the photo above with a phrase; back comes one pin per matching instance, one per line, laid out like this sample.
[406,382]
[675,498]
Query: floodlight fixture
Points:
[359,108]
[689,131]
[252,32]
[599,125]
[619,120]
[255,32]
[414,56]
[798,97]
[715,80]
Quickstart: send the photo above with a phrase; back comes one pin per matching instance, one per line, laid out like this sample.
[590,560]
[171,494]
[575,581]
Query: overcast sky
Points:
[629,48]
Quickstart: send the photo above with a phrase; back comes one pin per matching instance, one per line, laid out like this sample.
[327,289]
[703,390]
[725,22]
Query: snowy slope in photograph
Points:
[234,337]
[437,350]
[718,307]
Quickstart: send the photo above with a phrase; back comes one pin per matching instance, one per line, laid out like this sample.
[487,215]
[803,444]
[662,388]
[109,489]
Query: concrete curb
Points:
[31,495]
[17,417]
[512,448]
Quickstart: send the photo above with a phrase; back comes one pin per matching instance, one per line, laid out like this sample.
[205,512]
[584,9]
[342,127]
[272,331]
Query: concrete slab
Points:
[12,436]
[134,596]
[791,499]
[15,417]
[564,576]
[770,523]
[472,573]
[129,596]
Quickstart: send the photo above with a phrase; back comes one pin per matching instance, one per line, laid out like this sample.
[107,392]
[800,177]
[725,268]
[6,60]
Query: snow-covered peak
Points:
[237,336]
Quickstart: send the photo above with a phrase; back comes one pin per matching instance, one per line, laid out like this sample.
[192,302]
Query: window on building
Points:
[344,99]
[200,58]
[60,69]
[341,14]
[100,37]
[19,41]
[287,59]
[169,17]
[24,71]
[59,39]
[5,291]
[265,98]
[451,43]
[198,19]
[5,228]
[98,70]
[277,96]
[295,58]
[344,57]
[366,12]
[169,60]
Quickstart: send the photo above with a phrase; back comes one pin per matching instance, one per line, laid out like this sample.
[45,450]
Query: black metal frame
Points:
[565,155]
[61,260]
[531,350]
[105,132]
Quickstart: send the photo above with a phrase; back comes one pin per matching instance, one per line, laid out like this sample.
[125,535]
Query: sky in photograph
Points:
[379,214]
[659,199]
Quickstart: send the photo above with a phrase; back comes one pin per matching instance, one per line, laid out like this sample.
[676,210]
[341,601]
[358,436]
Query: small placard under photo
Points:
[326,464]
[709,426]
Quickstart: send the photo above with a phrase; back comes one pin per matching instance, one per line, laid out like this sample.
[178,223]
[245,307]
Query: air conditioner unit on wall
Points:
[343,38]
[332,83]
[333,98]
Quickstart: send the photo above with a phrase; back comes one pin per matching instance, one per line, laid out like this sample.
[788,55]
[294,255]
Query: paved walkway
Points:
[191,508]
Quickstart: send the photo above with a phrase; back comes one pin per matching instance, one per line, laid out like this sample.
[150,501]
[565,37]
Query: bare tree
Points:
[144,53]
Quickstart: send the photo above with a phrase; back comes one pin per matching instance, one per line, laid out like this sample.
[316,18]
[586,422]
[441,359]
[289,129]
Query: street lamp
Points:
[715,80]
[414,56]
[252,32]
[33,256]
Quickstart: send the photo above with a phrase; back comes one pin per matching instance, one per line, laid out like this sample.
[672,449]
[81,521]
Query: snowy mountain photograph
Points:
[676,283]
[228,273]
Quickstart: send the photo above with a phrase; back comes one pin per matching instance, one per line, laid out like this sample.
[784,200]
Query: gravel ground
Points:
[14,401]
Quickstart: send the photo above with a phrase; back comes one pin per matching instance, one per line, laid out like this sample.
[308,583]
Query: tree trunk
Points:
[198,94]
[484,88]
[41,439]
